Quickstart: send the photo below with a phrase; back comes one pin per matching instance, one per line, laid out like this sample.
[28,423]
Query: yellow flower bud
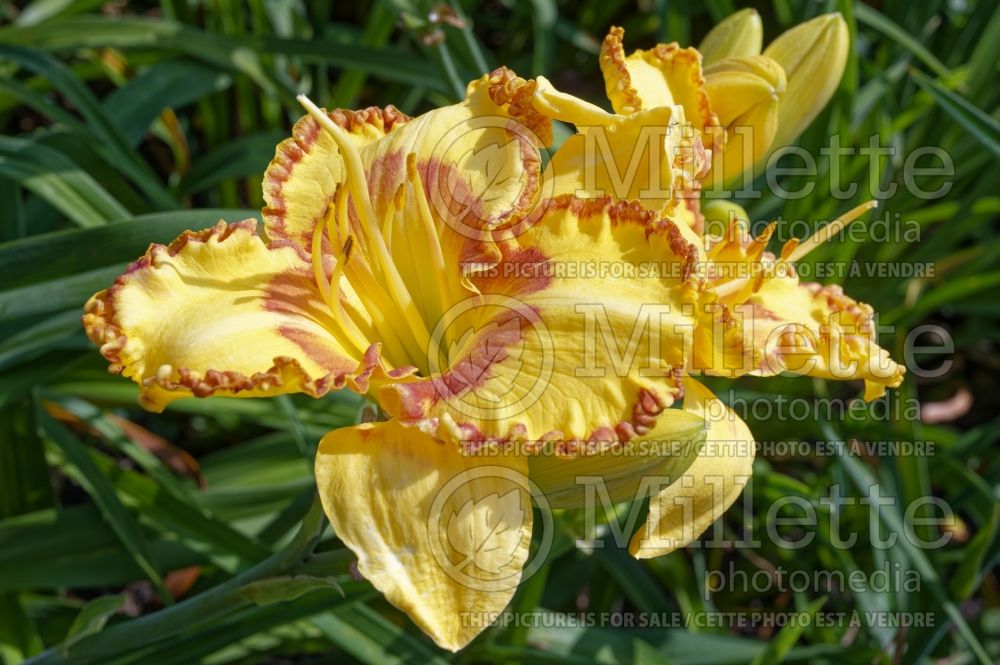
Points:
[813,55]
[738,35]
[744,93]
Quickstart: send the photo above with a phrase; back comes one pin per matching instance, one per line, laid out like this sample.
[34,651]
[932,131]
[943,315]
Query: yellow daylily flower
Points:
[746,103]
[431,264]
[408,260]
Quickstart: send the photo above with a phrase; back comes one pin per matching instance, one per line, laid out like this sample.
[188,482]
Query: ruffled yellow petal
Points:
[662,76]
[579,334]
[613,153]
[684,509]
[443,535]
[739,35]
[218,312]
[819,331]
[301,180]
[651,156]
[761,320]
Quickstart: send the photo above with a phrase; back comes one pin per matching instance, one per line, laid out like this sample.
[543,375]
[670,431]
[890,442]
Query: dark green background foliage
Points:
[127,122]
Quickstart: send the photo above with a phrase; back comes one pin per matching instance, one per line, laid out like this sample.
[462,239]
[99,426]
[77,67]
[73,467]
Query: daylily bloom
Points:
[434,266]
[746,103]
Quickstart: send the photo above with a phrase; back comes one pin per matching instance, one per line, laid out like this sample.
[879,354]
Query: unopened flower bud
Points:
[737,36]
[745,96]
[813,55]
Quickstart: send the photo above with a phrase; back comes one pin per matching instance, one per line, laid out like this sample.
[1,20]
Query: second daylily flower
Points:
[747,103]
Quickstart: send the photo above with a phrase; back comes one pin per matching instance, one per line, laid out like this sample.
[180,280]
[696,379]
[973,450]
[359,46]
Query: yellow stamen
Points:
[331,290]
[419,337]
[794,250]
[319,272]
[830,230]
[345,322]
[447,289]
[395,205]
[343,218]
[373,298]
[398,343]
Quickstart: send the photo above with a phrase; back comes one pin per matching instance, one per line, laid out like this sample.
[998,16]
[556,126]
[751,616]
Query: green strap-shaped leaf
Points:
[779,646]
[879,21]
[121,153]
[371,638]
[59,181]
[977,122]
[92,618]
[85,472]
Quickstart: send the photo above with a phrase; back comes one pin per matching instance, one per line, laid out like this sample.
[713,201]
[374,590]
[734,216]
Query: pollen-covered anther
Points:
[789,248]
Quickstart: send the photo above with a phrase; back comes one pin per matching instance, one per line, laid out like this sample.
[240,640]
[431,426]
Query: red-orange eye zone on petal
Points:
[416,208]
[545,324]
